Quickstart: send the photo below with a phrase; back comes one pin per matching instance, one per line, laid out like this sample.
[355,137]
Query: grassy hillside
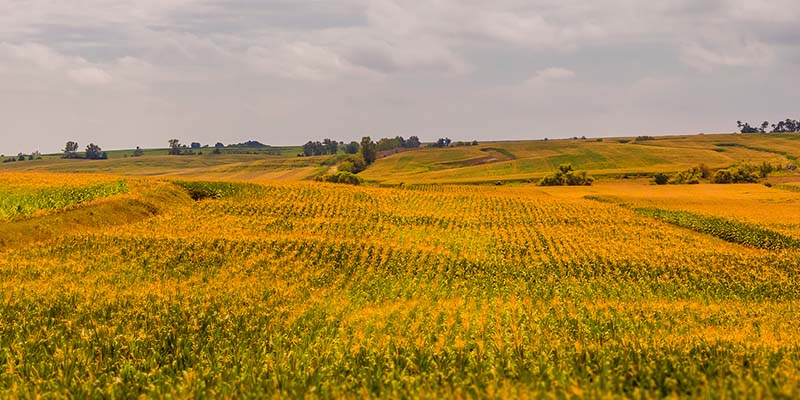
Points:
[534,159]
[254,167]
[326,291]
[488,162]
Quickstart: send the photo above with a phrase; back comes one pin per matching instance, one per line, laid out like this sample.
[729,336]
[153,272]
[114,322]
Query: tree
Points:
[412,142]
[352,148]
[196,145]
[93,151]
[330,146]
[71,150]
[443,142]
[21,157]
[368,150]
[174,147]
[138,152]
[219,145]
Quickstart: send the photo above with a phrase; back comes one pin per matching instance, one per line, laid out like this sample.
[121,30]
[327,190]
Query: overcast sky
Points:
[123,73]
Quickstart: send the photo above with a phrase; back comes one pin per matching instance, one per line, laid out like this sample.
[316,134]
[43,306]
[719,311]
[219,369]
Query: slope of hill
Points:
[487,162]
[609,157]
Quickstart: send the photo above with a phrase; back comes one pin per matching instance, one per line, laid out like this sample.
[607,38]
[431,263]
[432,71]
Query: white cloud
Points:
[751,53]
[547,75]
[302,61]
[90,76]
[366,66]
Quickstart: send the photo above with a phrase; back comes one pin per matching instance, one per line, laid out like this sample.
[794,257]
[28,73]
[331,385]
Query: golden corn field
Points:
[319,290]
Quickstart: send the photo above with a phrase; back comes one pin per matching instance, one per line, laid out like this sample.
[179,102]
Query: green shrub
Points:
[566,176]
[342,177]
[740,174]
[689,177]
[660,179]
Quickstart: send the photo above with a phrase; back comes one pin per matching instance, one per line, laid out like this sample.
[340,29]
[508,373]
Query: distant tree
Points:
[93,151]
[352,148]
[474,142]
[104,156]
[138,152]
[196,145]
[21,157]
[71,150]
[219,145]
[368,150]
[443,142]
[174,147]
[413,142]
[787,126]
[330,146]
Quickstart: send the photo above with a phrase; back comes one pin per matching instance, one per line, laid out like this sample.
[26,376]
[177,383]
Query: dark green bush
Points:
[342,177]
[660,179]
[566,176]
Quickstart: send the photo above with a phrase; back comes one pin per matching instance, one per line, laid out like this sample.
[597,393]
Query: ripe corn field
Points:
[319,290]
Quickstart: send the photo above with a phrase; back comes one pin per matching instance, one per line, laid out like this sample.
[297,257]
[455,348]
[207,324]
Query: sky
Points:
[125,73]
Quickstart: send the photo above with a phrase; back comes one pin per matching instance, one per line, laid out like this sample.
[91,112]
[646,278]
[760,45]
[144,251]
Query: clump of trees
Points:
[22,157]
[567,176]
[787,126]
[442,142]
[92,152]
[327,146]
[70,150]
[744,173]
[398,142]
[341,177]
[369,150]
[352,163]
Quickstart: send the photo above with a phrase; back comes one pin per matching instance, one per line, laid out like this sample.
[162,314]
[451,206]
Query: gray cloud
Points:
[124,73]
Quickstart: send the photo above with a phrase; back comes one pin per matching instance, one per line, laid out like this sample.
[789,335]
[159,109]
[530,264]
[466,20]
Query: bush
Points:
[689,177]
[660,179]
[353,164]
[566,176]
[341,177]
[740,174]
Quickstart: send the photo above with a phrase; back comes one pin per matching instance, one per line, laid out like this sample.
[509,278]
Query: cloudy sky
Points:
[123,73]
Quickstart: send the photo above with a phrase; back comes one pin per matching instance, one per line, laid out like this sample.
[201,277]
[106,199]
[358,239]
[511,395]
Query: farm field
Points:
[181,286]
[489,162]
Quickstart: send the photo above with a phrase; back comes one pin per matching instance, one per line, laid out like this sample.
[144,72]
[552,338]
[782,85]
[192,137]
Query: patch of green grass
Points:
[14,204]
[757,148]
[200,190]
[791,188]
[725,229]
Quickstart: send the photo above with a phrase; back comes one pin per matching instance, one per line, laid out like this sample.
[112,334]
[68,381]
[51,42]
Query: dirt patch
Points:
[493,156]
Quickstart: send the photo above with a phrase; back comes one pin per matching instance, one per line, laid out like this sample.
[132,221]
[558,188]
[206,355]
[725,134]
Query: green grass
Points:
[728,230]
[20,203]
[791,188]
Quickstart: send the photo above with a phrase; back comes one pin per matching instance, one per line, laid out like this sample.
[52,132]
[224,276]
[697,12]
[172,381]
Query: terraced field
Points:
[319,290]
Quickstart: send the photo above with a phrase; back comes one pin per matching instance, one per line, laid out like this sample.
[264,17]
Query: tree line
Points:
[787,126]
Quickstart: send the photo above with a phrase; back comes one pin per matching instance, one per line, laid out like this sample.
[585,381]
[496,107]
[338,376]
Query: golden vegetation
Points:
[318,290]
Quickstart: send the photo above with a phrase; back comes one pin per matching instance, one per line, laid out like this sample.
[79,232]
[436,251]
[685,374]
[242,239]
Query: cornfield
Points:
[25,193]
[320,290]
